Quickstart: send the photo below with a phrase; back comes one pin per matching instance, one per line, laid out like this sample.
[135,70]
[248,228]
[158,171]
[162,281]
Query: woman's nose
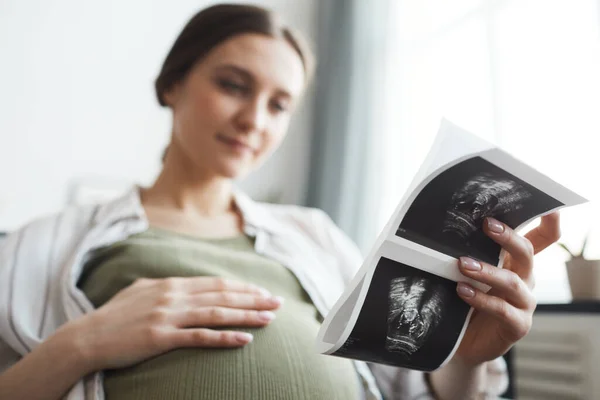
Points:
[252,117]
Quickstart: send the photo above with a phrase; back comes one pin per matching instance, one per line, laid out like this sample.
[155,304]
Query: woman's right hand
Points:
[153,316]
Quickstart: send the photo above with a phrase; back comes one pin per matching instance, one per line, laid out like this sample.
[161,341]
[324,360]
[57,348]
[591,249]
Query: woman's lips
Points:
[236,145]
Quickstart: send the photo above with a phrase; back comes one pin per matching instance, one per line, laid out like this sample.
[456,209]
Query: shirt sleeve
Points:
[8,355]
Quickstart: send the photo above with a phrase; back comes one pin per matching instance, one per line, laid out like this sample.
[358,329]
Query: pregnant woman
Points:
[188,289]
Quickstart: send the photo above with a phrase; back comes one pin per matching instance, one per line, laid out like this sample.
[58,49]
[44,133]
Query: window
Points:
[524,74]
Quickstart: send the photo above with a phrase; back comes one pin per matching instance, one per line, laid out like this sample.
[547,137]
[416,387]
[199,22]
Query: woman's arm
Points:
[147,318]
[49,371]
[457,380]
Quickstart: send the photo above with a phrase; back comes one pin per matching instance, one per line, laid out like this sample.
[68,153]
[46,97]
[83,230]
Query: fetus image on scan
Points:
[415,310]
[481,196]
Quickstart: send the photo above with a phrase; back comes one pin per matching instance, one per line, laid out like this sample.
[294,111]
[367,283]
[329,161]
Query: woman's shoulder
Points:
[45,230]
[67,226]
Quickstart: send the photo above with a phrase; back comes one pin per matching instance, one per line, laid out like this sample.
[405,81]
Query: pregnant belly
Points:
[280,363]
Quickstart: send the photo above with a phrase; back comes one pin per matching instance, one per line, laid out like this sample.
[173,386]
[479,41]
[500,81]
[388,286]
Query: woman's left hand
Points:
[503,315]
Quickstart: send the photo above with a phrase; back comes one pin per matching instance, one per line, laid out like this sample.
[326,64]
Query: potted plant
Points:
[584,274]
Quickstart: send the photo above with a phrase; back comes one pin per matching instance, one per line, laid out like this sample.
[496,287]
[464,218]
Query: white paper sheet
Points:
[401,308]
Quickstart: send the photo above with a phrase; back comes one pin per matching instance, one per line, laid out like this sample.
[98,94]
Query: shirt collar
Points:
[257,214]
[129,207]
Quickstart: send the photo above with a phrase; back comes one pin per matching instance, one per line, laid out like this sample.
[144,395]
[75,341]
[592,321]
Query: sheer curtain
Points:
[524,74]
[344,178]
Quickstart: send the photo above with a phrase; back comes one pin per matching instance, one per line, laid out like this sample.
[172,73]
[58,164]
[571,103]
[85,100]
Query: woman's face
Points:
[233,108]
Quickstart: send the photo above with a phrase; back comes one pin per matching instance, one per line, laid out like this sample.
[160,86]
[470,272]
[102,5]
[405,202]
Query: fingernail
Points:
[242,337]
[470,264]
[495,226]
[465,290]
[278,300]
[264,292]
[266,316]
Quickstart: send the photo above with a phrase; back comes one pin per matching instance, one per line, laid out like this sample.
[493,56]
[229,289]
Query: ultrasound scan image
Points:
[448,214]
[410,318]
[481,196]
[415,310]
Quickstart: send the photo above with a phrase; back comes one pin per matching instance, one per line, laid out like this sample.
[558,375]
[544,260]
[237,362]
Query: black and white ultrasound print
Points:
[415,306]
[414,322]
[448,214]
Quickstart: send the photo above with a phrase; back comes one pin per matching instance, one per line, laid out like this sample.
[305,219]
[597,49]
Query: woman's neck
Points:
[183,188]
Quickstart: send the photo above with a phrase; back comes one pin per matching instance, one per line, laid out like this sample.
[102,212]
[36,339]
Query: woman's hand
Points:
[503,315]
[153,316]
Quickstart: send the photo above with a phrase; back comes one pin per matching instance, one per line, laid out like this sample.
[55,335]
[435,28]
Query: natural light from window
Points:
[524,74]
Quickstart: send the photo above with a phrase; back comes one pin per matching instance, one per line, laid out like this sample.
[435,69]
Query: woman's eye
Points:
[278,106]
[232,86]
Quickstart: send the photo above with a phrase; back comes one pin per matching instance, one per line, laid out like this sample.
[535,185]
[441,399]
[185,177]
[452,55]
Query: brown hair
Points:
[213,25]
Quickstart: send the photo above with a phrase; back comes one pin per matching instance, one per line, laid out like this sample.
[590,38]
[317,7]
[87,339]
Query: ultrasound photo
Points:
[415,310]
[449,213]
[483,195]
[415,323]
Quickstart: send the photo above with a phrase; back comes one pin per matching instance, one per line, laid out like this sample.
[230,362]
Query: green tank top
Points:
[280,363]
